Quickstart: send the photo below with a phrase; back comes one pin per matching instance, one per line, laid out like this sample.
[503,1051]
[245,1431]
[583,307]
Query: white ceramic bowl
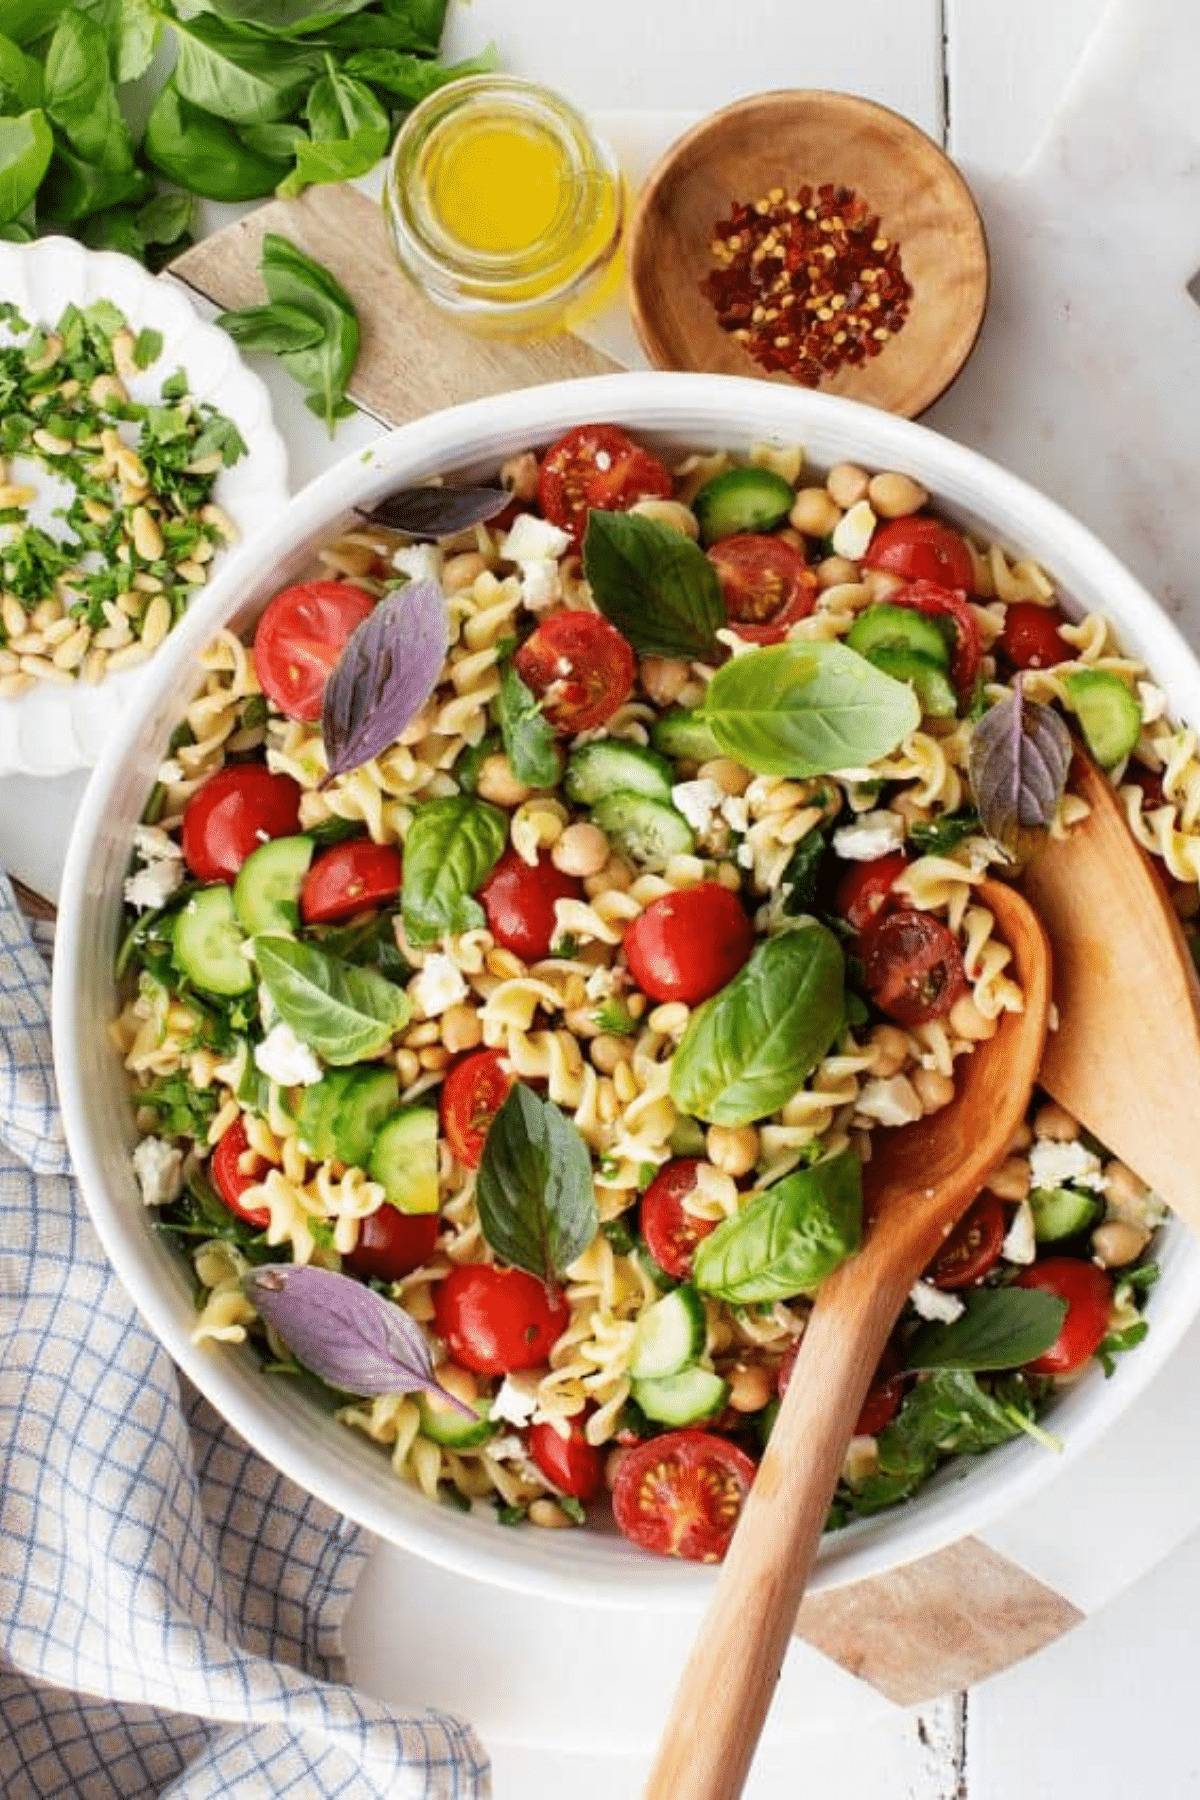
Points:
[344,1469]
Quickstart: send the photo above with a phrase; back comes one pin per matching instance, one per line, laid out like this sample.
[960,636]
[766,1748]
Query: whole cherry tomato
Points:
[391,1244]
[864,889]
[581,668]
[231,1181]
[472,1094]
[597,466]
[686,945]
[914,967]
[494,1321]
[920,549]
[519,902]
[944,603]
[232,813]
[766,585]
[680,1494]
[1031,637]
[348,879]
[1088,1293]
[671,1232]
[570,1464]
[972,1247]
[299,639]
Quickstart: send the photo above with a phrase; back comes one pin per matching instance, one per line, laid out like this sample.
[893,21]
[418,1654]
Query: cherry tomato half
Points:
[1030,639]
[922,550]
[235,811]
[519,902]
[1088,1293]
[766,585]
[348,879]
[472,1094]
[914,967]
[391,1244]
[597,466]
[300,637]
[231,1181]
[883,1396]
[494,1321]
[680,1494]
[580,667]
[972,1247]
[939,602]
[864,889]
[670,1231]
[571,1464]
[686,945]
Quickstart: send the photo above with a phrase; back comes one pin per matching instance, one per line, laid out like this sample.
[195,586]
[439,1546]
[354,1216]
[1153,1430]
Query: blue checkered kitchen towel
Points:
[169,1605]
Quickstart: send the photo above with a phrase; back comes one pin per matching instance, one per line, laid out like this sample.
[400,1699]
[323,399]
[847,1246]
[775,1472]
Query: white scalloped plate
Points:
[55,729]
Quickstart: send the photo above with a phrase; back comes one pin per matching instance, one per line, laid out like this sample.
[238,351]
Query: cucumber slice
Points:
[1060,1213]
[368,1099]
[448,1427]
[1109,715]
[644,829]
[928,679]
[682,1399]
[742,500]
[602,768]
[318,1112]
[209,943]
[266,894]
[404,1158]
[670,1334]
[887,627]
[682,732]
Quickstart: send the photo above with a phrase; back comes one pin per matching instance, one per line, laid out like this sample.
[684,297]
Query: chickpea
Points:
[498,784]
[460,572]
[671,513]
[732,1148]
[967,1021]
[663,677]
[549,1515]
[581,850]
[1011,1181]
[408,1066]
[1021,1139]
[1054,1121]
[729,776]
[835,571]
[848,484]
[615,876]
[879,584]
[934,1089]
[1117,1243]
[607,1051]
[434,1058]
[1126,1192]
[895,496]
[889,1050]
[520,476]
[814,512]
[750,1387]
[461,1029]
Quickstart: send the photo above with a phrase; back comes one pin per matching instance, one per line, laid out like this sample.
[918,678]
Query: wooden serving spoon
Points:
[918,1184]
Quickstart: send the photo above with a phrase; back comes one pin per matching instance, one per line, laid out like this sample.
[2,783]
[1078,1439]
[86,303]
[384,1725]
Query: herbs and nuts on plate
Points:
[536,917]
[107,518]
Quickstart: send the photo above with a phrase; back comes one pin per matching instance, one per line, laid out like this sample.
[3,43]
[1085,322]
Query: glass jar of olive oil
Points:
[504,208]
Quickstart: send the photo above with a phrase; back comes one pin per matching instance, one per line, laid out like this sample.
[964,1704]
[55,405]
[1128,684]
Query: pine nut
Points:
[549,1515]
[157,622]
[13,615]
[147,538]
[95,664]
[206,465]
[14,493]
[51,351]
[50,444]
[44,670]
[11,686]
[10,662]
[122,354]
[145,583]
[219,519]
[129,657]
[59,630]
[30,643]
[71,652]
[130,466]
[191,572]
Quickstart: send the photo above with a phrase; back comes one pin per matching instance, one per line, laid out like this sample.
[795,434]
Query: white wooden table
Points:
[1107,1712]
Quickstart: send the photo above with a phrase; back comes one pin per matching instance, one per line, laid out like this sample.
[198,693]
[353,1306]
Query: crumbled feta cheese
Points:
[872,835]
[286,1059]
[170,772]
[153,886]
[735,810]
[439,985]
[1020,1241]
[862,1460]
[513,1404]
[153,844]
[1051,1164]
[232,1073]
[540,584]
[420,562]
[889,1100]
[534,540]
[745,856]
[737,646]
[932,1304]
[601,984]
[1154,702]
[697,801]
[854,531]
[159,1169]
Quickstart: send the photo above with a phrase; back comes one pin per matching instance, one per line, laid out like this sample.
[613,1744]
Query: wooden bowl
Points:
[784,140]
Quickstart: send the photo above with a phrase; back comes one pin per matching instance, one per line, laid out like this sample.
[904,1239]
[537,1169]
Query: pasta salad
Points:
[530,929]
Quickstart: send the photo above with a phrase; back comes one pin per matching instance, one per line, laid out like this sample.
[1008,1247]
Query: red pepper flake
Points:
[807,284]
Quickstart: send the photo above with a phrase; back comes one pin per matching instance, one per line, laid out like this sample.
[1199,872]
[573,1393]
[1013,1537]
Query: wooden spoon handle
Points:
[729,1682]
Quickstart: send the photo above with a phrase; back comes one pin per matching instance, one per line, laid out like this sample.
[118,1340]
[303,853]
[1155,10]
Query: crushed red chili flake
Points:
[807,284]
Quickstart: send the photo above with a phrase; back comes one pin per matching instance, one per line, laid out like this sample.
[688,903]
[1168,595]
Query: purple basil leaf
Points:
[1020,755]
[437,512]
[345,1332]
[384,676]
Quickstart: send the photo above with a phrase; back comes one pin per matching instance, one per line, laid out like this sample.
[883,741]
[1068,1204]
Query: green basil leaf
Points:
[75,189]
[747,1050]
[1001,1328]
[655,585]
[410,79]
[807,709]
[26,20]
[131,29]
[343,1012]
[528,736]
[451,848]
[81,95]
[348,129]
[25,146]
[801,880]
[946,1414]
[537,1204]
[279,140]
[293,279]
[274,327]
[245,80]
[787,1238]
[284,18]
[204,154]
[939,836]
[20,77]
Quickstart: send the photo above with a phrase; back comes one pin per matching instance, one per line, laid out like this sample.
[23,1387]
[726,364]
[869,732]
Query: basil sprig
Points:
[528,735]
[656,586]
[787,1238]
[1000,1328]
[949,1413]
[537,1204]
[451,848]
[300,289]
[343,1012]
[807,709]
[747,1050]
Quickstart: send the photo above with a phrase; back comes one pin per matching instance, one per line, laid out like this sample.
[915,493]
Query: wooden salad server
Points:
[919,1182]
[1125,1059]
